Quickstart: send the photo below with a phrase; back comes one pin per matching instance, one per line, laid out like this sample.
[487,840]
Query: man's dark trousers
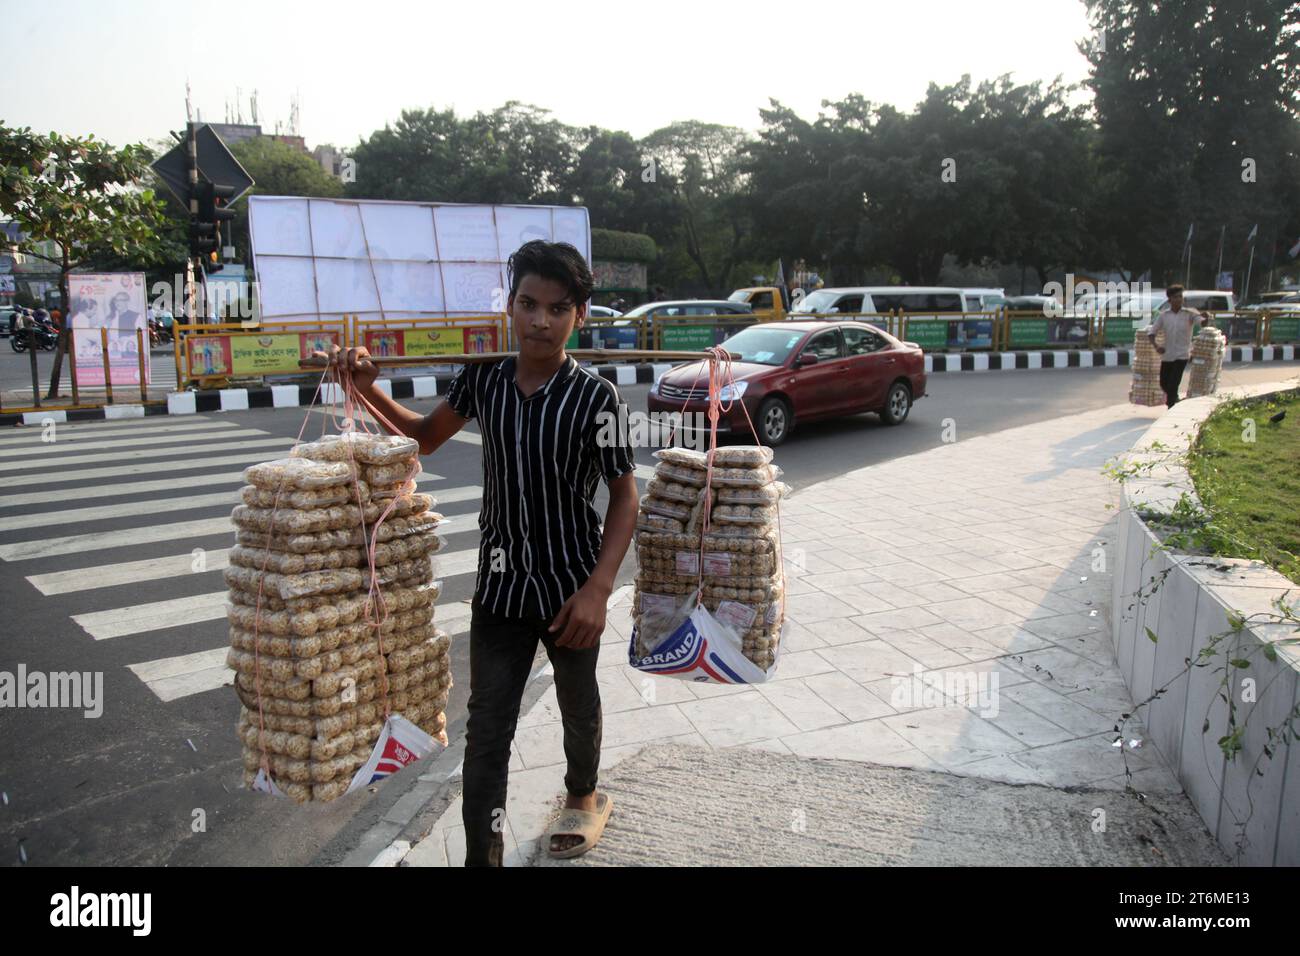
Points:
[1171,379]
[501,652]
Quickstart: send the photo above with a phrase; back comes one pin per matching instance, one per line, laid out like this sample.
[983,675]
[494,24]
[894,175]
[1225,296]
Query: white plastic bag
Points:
[700,649]
[400,744]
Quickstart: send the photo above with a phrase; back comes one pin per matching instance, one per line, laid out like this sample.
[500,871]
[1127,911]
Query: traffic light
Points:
[212,203]
[203,239]
[205,225]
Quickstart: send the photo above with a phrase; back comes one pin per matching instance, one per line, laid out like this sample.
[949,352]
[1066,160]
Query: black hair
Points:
[552,260]
[1173,290]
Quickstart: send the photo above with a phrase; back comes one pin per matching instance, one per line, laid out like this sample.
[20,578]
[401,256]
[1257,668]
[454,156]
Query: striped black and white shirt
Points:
[542,462]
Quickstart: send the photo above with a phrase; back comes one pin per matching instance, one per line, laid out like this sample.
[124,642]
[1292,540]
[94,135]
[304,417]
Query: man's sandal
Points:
[585,824]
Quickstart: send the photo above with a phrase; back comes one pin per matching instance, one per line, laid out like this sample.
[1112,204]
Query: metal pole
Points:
[1245,293]
[1219,271]
[31,349]
[143,351]
[72,360]
[108,377]
[176,350]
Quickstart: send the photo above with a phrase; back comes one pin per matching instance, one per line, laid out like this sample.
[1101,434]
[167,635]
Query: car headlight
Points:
[654,386]
[733,391]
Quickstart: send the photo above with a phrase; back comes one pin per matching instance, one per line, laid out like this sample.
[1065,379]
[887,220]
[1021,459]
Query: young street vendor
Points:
[546,567]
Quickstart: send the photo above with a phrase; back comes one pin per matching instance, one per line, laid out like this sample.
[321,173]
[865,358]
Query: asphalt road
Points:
[156,778]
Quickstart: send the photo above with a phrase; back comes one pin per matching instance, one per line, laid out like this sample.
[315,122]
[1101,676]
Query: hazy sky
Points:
[117,68]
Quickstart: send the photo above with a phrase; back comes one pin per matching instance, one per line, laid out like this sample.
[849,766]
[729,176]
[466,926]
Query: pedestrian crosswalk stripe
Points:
[124,538]
[176,565]
[211,606]
[203,527]
[154,616]
[121,510]
[127,453]
[148,467]
[128,572]
[126,488]
[165,484]
[76,432]
[187,502]
[173,677]
[50,448]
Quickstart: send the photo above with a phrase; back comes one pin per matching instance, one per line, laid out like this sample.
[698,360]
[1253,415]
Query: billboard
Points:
[320,259]
[112,301]
[230,354]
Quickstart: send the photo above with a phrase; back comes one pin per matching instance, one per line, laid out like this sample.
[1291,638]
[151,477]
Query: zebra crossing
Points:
[167,488]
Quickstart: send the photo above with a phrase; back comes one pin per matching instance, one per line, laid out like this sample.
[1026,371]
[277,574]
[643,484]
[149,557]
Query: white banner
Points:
[323,258]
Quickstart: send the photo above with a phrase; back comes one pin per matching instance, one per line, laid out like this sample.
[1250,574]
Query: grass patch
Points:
[1250,490]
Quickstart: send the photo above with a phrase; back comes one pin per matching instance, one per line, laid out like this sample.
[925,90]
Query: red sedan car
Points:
[792,372]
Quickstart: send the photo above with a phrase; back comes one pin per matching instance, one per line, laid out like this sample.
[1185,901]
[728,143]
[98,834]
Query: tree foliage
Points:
[84,197]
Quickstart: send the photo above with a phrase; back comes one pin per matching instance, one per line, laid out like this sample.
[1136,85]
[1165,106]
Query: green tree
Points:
[515,154]
[278,169]
[84,196]
[1184,94]
[700,166]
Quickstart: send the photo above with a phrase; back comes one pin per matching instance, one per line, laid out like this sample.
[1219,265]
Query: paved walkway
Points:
[984,562]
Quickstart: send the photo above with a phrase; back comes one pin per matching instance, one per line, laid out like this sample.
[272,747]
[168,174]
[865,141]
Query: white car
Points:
[602,312]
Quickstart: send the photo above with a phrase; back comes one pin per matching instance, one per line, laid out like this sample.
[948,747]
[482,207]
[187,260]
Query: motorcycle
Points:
[46,338]
[159,334]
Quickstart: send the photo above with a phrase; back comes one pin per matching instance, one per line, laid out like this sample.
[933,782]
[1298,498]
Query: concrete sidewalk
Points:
[985,560]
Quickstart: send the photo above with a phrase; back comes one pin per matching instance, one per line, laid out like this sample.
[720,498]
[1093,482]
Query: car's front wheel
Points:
[898,403]
[774,421]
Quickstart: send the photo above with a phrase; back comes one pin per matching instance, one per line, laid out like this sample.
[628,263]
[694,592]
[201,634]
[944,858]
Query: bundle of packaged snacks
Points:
[741,574]
[320,655]
[1145,387]
[1207,362]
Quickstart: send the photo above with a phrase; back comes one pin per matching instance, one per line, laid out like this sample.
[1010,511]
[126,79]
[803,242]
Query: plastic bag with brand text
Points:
[701,648]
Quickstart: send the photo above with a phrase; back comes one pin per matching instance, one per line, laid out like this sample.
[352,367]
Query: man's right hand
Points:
[356,360]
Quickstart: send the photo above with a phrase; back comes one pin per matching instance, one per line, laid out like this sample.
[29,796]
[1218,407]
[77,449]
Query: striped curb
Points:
[428,386]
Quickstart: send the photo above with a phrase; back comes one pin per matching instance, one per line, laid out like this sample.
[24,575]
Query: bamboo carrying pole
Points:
[319,360]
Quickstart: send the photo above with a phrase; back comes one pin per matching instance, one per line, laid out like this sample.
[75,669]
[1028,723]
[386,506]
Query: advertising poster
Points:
[239,353]
[115,302]
[457,340]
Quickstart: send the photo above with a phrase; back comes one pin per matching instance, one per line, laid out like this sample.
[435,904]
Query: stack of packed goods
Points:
[1145,388]
[331,613]
[1207,361]
[741,574]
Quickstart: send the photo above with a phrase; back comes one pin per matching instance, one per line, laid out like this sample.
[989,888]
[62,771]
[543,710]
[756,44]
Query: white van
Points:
[984,300]
[883,298]
[1206,300]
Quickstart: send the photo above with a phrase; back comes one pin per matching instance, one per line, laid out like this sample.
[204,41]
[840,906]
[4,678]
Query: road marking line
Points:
[126,488]
[122,510]
[143,468]
[203,527]
[65,431]
[65,444]
[196,609]
[171,678]
[74,460]
[127,572]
